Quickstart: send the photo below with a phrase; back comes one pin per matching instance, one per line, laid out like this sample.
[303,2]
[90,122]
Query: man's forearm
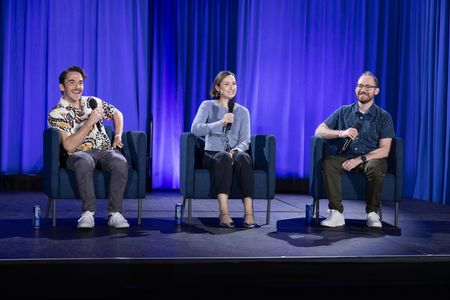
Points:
[118,123]
[326,133]
[71,142]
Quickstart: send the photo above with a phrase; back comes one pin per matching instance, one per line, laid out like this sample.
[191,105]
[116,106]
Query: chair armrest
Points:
[187,164]
[315,165]
[137,147]
[263,152]
[51,161]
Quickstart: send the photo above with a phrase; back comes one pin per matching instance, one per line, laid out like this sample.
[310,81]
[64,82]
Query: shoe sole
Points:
[85,227]
[126,226]
[224,225]
[249,226]
[375,226]
[332,226]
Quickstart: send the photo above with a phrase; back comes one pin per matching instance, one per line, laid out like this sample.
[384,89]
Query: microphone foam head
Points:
[230,105]
[92,103]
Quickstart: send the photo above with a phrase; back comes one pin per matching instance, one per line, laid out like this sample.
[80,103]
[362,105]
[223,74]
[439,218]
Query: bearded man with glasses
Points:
[366,131]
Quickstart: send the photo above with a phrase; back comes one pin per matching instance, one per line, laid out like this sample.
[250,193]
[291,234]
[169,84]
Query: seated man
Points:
[368,131]
[84,138]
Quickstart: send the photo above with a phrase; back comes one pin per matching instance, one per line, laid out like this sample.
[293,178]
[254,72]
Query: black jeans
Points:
[223,167]
[83,163]
[374,170]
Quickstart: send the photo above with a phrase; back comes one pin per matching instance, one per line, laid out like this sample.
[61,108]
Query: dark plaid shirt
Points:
[376,124]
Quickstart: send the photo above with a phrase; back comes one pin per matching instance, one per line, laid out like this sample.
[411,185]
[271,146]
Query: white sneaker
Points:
[86,220]
[373,220]
[116,220]
[335,219]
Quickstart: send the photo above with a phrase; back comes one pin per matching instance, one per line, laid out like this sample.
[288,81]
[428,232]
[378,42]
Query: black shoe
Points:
[224,224]
[249,225]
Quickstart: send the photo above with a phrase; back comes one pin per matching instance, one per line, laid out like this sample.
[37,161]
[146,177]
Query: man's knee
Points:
[84,164]
[376,167]
[329,164]
[119,164]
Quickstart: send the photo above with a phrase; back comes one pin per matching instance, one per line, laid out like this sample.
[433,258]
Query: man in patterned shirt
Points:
[368,131]
[83,136]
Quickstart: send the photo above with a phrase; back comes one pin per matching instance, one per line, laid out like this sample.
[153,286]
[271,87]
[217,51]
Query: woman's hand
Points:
[227,118]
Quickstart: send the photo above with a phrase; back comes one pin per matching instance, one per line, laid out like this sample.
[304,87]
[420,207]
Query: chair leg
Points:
[269,205]
[189,210]
[316,208]
[54,212]
[47,211]
[139,210]
[183,207]
[396,214]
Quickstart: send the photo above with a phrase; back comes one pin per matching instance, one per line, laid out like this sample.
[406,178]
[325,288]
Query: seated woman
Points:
[226,128]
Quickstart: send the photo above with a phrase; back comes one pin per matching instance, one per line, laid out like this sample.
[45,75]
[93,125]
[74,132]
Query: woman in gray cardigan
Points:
[226,128]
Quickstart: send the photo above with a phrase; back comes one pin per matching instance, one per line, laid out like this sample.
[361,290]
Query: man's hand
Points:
[95,116]
[349,132]
[117,143]
[350,164]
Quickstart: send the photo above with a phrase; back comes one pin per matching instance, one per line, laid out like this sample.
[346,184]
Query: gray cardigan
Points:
[208,123]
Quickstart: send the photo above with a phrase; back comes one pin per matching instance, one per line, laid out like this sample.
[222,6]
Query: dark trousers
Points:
[83,163]
[374,170]
[223,167]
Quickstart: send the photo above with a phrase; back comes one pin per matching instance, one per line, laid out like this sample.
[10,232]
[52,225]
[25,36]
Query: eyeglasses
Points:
[366,86]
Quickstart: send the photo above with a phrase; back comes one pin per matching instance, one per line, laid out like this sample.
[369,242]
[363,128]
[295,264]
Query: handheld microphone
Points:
[231,103]
[93,105]
[348,140]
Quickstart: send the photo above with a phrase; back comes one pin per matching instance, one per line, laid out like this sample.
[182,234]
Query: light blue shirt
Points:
[208,123]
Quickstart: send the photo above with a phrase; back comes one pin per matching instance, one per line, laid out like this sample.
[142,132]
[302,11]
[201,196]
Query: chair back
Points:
[196,182]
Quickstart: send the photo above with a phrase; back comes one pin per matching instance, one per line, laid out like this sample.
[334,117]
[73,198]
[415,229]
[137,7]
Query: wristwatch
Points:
[363,158]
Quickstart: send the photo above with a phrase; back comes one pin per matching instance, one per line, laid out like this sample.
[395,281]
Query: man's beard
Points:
[364,100]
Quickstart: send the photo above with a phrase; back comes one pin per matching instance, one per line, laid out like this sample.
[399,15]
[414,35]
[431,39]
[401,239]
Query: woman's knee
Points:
[223,157]
[243,158]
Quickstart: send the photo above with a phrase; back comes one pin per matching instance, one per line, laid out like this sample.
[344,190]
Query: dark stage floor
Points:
[158,257]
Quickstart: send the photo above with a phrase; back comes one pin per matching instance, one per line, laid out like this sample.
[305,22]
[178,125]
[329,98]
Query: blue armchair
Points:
[60,183]
[353,184]
[196,183]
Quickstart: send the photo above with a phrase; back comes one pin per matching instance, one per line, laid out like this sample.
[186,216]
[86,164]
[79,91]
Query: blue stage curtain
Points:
[109,39]
[191,41]
[296,61]
[430,140]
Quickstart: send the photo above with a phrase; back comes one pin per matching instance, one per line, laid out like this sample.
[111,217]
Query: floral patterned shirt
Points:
[67,118]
